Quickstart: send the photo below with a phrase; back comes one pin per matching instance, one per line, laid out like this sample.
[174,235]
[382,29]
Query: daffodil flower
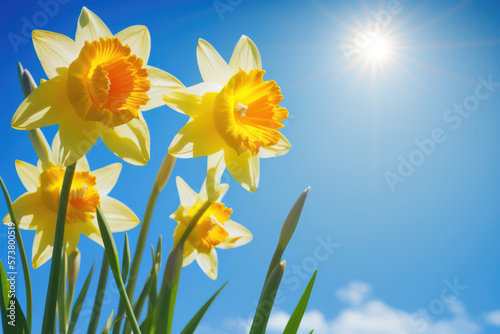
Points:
[37,208]
[98,86]
[235,115]
[213,230]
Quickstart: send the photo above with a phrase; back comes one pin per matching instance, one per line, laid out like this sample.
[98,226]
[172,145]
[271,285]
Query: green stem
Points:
[69,298]
[99,296]
[49,316]
[61,305]
[168,291]
[161,180]
[112,254]
[22,253]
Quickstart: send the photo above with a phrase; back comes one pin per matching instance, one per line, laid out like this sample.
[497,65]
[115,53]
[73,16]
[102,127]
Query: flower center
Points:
[106,83]
[246,112]
[209,231]
[83,197]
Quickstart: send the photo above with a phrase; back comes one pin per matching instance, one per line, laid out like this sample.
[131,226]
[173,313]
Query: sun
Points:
[377,49]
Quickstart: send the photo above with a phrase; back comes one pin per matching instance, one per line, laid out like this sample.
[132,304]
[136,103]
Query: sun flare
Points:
[377,49]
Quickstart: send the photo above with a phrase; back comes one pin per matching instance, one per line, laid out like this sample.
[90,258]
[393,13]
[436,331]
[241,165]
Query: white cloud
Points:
[493,318]
[354,293]
[363,315]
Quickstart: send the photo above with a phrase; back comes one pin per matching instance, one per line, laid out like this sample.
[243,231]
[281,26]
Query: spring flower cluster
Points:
[98,85]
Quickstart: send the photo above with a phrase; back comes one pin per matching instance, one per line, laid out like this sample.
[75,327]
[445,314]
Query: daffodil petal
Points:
[243,168]
[208,263]
[54,50]
[216,196]
[138,39]
[238,235]
[90,28]
[187,196]
[91,230]
[161,83]
[43,244]
[188,100]
[82,164]
[75,138]
[245,56]
[281,148]
[190,254]
[71,237]
[29,175]
[119,216]
[197,138]
[44,106]
[215,168]
[212,66]
[106,178]
[130,141]
[30,211]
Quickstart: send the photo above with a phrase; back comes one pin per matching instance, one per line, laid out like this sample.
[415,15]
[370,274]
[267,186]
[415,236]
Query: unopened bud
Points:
[74,265]
[166,168]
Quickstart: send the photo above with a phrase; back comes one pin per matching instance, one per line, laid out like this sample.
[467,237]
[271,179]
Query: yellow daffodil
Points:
[213,230]
[37,208]
[234,114]
[98,86]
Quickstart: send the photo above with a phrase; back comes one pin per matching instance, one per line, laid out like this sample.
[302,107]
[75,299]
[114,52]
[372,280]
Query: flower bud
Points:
[74,265]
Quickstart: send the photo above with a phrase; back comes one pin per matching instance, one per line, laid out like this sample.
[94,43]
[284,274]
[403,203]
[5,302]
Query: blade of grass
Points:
[75,312]
[266,302]
[99,296]
[114,263]
[191,326]
[294,322]
[107,326]
[49,316]
[161,180]
[22,254]
[146,289]
[170,283]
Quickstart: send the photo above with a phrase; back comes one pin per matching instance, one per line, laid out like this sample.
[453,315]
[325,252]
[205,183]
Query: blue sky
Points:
[397,248]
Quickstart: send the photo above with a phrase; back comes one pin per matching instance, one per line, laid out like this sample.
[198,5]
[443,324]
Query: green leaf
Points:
[110,323]
[153,293]
[161,180]
[147,290]
[99,296]
[49,317]
[191,326]
[22,254]
[114,263]
[75,312]
[8,305]
[296,317]
[170,283]
[126,258]
[269,292]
